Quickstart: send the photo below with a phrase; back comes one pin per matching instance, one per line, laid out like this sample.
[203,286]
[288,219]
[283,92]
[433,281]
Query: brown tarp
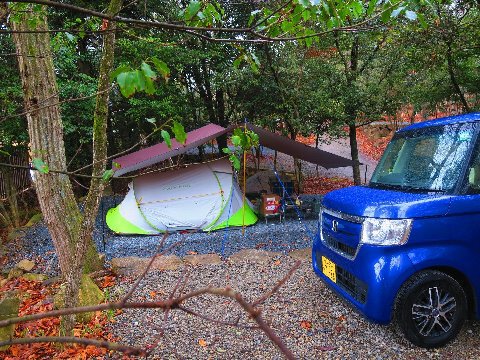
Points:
[154,154]
[299,150]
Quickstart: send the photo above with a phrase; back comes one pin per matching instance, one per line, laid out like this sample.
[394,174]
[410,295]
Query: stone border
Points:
[135,265]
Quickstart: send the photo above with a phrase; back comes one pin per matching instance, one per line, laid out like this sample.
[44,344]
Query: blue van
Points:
[406,247]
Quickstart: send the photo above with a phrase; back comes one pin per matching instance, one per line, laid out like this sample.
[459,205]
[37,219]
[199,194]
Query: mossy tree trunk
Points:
[71,231]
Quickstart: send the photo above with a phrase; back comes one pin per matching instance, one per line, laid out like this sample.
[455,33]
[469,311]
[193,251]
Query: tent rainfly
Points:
[202,196]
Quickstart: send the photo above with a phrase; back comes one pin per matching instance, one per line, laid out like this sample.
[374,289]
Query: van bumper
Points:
[370,281]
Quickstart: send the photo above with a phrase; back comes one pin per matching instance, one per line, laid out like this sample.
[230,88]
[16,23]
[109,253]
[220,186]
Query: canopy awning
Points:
[154,154]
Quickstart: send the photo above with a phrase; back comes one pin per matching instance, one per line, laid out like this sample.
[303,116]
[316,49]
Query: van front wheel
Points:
[430,309]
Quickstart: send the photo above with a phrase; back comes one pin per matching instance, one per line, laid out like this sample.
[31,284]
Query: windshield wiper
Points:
[385,186]
[414,188]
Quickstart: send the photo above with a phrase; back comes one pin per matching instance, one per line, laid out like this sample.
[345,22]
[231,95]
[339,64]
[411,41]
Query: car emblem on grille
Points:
[335,225]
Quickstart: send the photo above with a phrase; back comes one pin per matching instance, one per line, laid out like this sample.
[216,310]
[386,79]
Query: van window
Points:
[430,159]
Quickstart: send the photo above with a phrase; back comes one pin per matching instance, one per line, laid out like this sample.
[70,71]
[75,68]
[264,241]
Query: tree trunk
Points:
[70,230]
[54,191]
[453,78]
[100,120]
[352,128]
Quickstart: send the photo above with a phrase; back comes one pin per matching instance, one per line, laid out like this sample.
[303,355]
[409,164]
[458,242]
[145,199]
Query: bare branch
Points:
[147,268]
[215,321]
[278,285]
[262,21]
[197,31]
[80,98]
[127,350]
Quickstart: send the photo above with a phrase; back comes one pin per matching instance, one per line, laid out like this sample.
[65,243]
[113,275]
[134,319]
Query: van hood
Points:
[386,204]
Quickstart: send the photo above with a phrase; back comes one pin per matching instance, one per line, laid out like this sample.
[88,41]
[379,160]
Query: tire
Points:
[430,309]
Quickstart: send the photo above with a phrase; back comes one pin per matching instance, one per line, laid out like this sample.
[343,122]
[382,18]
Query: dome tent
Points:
[201,196]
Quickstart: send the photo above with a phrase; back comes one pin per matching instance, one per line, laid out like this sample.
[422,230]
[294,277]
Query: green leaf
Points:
[306,15]
[192,9]
[4,152]
[421,20]
[151,120]
[127,82]
[149,86]
[357,8]
[147,71]
[371,6]
[40,165]
[227,150]
[236,140]
[116,165]
[166,137]
[235,162]
[386,15]
[139,80]
[179,132]
[161,67]
[287,26]
[107,175]
[237,62]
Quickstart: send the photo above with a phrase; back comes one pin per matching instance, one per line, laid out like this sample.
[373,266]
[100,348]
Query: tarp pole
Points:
[244,182]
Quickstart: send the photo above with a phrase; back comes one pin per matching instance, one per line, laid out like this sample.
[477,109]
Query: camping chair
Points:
[286,192]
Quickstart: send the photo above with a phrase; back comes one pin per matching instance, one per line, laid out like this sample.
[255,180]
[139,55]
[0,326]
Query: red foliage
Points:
[307,140]
[322,185]
[37,298]
[371,147]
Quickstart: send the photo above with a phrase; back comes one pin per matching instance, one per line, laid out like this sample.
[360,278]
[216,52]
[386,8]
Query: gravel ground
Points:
[272,236]
[337,332]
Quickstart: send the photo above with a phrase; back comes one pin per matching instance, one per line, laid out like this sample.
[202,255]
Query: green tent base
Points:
[239,219]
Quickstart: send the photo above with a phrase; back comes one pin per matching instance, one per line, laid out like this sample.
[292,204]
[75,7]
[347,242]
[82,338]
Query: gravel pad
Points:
[313,321]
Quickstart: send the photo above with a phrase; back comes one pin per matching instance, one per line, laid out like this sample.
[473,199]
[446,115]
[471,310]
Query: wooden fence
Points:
[20,177]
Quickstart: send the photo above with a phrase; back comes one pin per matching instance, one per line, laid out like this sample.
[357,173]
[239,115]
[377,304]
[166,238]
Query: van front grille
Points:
[339,247]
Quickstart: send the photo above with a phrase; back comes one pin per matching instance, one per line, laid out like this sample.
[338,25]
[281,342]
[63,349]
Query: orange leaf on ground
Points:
[307,325]
[153,294]
[202,343]
[108,281]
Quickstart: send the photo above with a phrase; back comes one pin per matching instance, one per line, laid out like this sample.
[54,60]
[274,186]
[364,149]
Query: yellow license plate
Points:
[329,269]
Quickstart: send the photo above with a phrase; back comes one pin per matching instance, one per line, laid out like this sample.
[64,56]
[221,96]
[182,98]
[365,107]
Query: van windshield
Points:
[429,159]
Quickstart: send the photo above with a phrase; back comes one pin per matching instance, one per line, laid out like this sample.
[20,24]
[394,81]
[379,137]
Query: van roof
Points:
[456,119]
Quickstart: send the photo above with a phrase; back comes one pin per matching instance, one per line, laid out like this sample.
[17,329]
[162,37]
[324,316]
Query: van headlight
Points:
[385,232]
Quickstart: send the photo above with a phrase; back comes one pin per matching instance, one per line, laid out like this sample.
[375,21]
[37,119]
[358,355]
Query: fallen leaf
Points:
[192,253]
[276,263]
[202,343]
[153,294]
[307,325]
[108,281]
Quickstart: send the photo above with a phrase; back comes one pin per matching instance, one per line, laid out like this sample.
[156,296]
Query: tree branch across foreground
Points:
[173,302]
[201,31]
